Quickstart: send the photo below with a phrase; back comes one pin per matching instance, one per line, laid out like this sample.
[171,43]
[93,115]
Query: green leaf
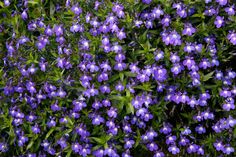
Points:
[116,97]
[129,108]
[30,144]
[50,132]
[37,144]
[69,153]
[121,76]
[100,141]
[113,78]
[138,139]
[208,76]
[52,8]
[129,74]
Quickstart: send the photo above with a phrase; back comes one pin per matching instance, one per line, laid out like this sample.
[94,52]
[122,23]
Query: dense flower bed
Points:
[126,78]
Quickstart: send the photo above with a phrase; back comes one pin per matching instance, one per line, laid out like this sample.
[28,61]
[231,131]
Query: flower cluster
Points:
[124,78]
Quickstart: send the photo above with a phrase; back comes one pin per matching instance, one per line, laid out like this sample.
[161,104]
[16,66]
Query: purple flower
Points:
[147,1]
[105,89]
[109,151]
[159,55]
[84,44]
[105,66]
[189,62]
[200,151]
[176,69]
[173,38]
[92,67]
[174,58]
[106,103]
[91,92]
[120,57]
[192,148]
[62,142]
[102,77]
[228,150]
[225,93]
[232,37]
[126,154]
[208,1]
[76,147]
[166,20]
[31,117]
[228,106]
[76,9]
[35,129]
[113,27]
[210,11]
[222,2]
[51,123]
[152,146]
[61,93]
[121,34]
[183,141]
[127,129]
[166,129]
[159,154]
[174,149]
[182,13]
[231,74]
[128,144]
[149,24]
[7,3]
[219,21]
[200,129]
[51,151]
[31,87]
[204,64]
[231,121]
[48,31]
[96,105]
[136,102]
[85,151]
[119,87]
[112,112]
[110,124]
[22,140]
[3,147]
[207,115]
[151,134]
[116,48]
[141,112]
[97,120]
[198,47]
[189,47]
[218,146]
[58,30]
[24,15]
[157,12]
[177,5]
[170,140]
[120,66]
[134,68]
[63,120]
[188,30]
[230,10]
[98,153]
[160,74]
[138,23]
[142,77]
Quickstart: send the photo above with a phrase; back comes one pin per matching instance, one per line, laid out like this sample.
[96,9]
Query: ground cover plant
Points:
[117,78]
